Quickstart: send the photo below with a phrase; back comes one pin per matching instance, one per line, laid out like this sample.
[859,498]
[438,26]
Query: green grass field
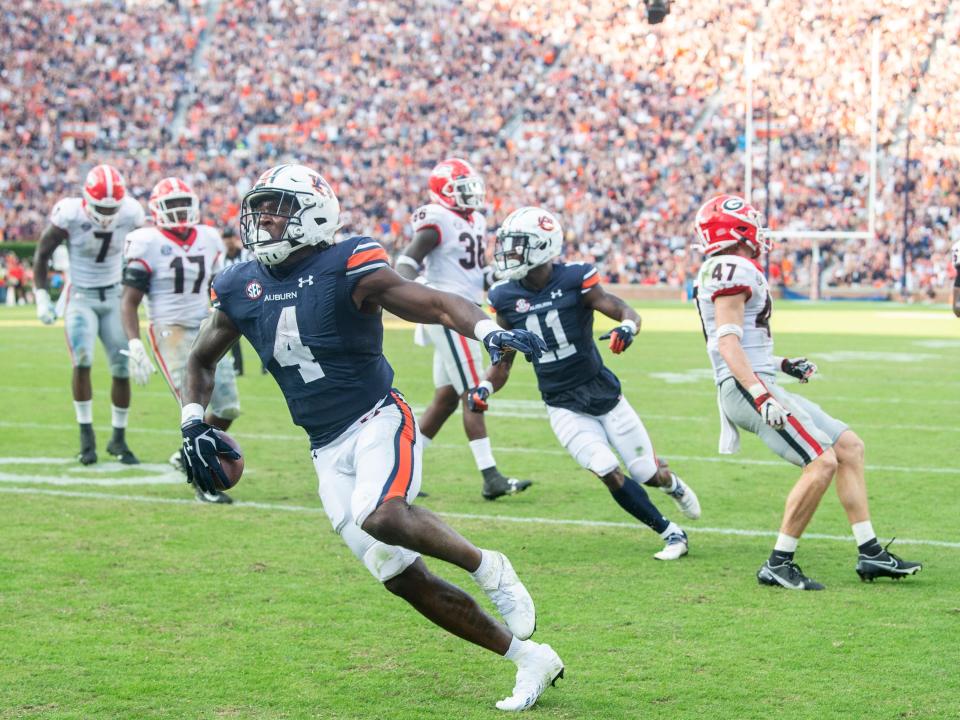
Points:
[120,597]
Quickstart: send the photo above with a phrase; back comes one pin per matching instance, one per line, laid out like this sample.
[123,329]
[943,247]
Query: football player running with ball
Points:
[312,309]
[172,264]
[448,241]
[587,410]
[733,299]
[94,228]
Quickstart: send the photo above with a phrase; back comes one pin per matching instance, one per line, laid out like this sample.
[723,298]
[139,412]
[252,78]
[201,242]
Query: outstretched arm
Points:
[956,298]
[216,336]
[419,303]
[496,377]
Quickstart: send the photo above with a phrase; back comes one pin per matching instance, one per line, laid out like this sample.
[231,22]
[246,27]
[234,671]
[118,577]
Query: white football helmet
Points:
[300,196]
[528,238]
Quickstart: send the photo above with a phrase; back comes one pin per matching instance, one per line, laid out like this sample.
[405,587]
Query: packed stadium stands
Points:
[620,126]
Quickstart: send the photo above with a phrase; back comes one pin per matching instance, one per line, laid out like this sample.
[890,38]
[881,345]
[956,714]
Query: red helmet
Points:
[103,194]
[174,205]
[456,185]
[725,221]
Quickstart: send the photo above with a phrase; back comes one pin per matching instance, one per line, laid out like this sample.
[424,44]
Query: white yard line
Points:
[302,438]
[694,530]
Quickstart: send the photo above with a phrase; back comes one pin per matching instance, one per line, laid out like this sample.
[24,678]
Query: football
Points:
[233,469]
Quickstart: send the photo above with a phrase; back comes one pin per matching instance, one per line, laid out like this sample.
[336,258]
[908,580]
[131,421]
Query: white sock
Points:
[672,487]
[485,568]
[118,416]
[425,441]
[482,453]
[517,648]
[863,532]
[670,529]
[84,410]
[786,543]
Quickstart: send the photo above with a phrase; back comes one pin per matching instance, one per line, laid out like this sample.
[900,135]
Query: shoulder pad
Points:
[729,275]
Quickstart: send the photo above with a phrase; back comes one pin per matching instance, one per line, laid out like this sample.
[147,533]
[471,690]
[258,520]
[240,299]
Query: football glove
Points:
[773,413]
[141,367]
[477,397]
[621,336]
[46,312]
[200,453]
[800,368]
[502,341]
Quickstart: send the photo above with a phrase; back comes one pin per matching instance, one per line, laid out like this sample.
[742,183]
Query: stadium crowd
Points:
[619,126]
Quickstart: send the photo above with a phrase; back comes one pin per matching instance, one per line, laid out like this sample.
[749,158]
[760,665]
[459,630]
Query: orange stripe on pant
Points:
[469,356]
[163,365]
[399,481]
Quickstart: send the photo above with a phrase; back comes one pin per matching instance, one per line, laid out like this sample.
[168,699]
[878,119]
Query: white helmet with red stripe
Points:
[725,221]
[103,194]
[528,238]
[456,185]
[174,205]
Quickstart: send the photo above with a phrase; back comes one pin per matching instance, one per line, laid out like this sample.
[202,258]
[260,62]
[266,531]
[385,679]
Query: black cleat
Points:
[885,564]
[497,485]
[88,445]
[215,498]
[119,449]
[786,575]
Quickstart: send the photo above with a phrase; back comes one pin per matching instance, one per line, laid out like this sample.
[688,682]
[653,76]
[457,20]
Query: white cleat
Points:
[511,598]
[537,669]
[685,498]
[676,547]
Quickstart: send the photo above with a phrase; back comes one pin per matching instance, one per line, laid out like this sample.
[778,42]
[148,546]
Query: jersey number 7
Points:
[289,351]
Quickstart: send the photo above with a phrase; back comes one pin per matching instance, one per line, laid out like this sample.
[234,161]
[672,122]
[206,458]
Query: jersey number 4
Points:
[289,350]
[564,347]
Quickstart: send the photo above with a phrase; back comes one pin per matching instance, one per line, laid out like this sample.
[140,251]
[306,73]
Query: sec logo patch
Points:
[522,305]
[254,289]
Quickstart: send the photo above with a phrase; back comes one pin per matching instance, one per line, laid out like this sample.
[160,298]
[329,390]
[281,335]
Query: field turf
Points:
[120,597]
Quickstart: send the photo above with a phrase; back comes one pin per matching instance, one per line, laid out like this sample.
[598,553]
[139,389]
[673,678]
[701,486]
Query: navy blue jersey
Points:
[326,355]
[558,315]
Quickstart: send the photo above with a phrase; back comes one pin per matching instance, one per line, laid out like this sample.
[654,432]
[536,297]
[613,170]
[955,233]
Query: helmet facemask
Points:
[176,212]
[511,254]
[468,192]
[273,242]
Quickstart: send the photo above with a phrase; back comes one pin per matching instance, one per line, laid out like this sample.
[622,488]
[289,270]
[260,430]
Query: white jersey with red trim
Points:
[95,253]
[734,275]
[180,272]
[456,263]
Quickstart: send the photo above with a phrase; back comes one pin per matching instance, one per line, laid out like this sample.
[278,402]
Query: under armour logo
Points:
[305,281]
[554,294]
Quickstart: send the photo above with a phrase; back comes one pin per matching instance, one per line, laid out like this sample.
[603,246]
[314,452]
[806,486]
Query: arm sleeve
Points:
[136,276]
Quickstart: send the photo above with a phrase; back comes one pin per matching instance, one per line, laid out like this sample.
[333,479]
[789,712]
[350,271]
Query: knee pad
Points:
[385,562]
[597,458]
[642,468]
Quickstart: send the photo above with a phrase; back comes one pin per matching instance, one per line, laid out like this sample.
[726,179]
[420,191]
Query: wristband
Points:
[629,325]
[42,296]
[407,260]
[730,329]
[486,385]
[135,343]
[757,390]
[190,412]
[484,328]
